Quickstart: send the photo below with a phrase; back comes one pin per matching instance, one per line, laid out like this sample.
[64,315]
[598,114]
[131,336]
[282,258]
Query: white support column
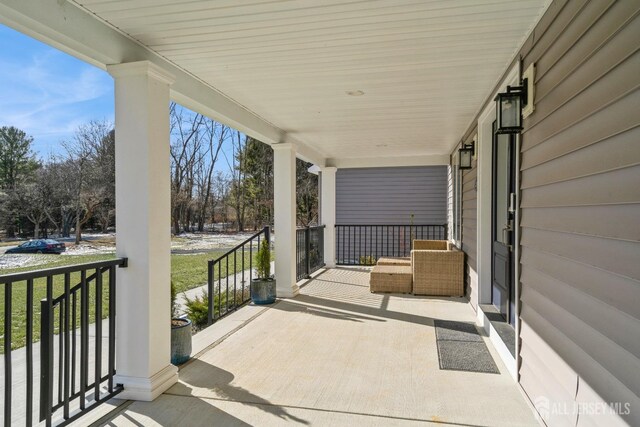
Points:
[284,201]
[143,199]
[328,213]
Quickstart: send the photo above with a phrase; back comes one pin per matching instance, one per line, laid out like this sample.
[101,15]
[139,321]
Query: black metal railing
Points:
[309,251]
[364,244]
[72,375]
[225,294]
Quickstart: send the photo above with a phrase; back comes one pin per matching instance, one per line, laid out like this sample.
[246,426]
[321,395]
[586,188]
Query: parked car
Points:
[38,246]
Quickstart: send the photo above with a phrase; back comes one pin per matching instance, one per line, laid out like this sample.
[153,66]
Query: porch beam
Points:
[389,161]
[284,201]
[328,213]
[143,195]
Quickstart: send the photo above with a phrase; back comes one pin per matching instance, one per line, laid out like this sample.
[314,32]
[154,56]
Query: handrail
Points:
[240,245]
[38,274]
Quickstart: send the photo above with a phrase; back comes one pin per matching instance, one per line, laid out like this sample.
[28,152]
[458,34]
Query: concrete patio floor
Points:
[335,355]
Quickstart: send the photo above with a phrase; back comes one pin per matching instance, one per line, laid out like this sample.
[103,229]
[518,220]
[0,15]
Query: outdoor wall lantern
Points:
[465,154]
[509,106]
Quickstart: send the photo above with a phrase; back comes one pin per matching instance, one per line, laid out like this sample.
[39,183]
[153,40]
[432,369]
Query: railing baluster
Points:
[226,295]
[84,337]
[235,276]
[359,231]
[307,251]
[67,287]
[60,350]
[29,338]
[98,317]
[74,347]
[370,234]
[243,283]
[7,352]
[112,327]
[387,234]
[219,289]
[210,267]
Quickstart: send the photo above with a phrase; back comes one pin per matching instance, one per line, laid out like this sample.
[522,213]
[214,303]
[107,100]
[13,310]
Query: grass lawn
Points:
[187,272]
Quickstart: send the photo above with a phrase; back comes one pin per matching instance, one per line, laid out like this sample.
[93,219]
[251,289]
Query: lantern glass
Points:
[508,112]
[466,156]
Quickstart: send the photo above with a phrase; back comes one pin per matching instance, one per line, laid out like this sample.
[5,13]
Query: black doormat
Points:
[461,348]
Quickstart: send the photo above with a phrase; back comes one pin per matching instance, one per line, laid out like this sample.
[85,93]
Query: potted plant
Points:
[263,287]
[180,333]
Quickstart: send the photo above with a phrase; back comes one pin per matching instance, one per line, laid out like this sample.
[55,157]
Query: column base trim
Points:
[288,292]
[147,389]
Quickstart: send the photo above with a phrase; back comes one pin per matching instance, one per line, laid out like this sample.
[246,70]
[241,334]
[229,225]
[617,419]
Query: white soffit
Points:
[351,79]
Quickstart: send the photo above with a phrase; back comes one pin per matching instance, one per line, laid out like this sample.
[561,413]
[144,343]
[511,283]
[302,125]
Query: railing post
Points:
[446,231]
[267,234]
[307,251]
[210,289]
[8,298]
[46,360]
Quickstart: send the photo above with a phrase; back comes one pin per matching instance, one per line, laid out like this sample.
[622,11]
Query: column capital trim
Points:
[284,146]
[140,68]
[329,169]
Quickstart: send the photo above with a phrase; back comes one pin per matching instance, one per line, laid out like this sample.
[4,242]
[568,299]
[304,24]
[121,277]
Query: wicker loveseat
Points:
[437,267]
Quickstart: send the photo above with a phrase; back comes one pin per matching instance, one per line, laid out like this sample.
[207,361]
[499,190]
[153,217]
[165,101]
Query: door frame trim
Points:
[484,241]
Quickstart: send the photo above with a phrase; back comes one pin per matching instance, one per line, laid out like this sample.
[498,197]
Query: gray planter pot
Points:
[263,291]
[180,341]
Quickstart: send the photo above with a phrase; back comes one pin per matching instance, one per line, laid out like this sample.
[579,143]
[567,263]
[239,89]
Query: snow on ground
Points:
[24,260]
[195,241]
[86,248]
[93,244]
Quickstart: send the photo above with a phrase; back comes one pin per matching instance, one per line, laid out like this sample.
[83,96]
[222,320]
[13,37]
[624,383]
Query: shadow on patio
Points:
[336,355]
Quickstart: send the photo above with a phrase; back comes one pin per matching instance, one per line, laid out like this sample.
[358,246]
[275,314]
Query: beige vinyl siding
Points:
[580,211]
[469,228]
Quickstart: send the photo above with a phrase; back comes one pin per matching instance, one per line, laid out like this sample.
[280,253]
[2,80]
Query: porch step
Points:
[391,278]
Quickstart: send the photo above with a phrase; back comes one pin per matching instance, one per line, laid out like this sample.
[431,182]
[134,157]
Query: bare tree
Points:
[216,135]
[186,143]
[84,153]
[238,194]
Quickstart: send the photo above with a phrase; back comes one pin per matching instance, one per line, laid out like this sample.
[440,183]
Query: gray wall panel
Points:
[391,195]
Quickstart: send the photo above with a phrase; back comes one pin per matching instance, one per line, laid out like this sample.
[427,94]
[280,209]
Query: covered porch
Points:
[387,84]
[335,354]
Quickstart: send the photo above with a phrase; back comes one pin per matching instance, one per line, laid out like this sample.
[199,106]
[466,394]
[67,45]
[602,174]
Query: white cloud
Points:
[49,94]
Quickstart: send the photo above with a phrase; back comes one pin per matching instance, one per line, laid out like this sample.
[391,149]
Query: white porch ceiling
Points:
[424,66]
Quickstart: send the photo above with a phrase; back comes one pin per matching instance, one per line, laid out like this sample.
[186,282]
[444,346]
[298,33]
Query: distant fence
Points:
[364,244]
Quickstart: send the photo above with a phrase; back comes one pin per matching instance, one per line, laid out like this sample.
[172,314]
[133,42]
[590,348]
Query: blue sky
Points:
[48,93]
